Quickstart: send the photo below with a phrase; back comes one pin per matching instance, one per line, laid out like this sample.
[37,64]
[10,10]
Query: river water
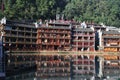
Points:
[31,76]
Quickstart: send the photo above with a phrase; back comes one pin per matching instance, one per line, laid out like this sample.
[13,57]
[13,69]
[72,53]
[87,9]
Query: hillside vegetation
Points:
[106,11]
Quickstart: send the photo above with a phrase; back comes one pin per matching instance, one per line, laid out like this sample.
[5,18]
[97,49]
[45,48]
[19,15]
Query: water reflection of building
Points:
[29,75]
[111,65]
[53,66]
[83,66]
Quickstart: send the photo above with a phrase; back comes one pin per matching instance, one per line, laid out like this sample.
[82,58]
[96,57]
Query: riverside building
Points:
[56,46]
[19,40]
[111,41]
[55,36]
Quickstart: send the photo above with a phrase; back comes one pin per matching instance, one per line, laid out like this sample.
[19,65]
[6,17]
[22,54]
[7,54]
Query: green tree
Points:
[106,11]
[1,14]
[33,9]
[9,9]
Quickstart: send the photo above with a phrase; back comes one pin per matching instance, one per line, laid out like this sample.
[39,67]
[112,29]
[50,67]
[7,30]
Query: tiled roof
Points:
[83,29]
[111,32]
[21,24]
[112,46]
[56,27]
[60,22]
[111,36]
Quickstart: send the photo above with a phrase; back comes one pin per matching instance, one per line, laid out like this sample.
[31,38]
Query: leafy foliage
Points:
[106,11]
[33,9]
